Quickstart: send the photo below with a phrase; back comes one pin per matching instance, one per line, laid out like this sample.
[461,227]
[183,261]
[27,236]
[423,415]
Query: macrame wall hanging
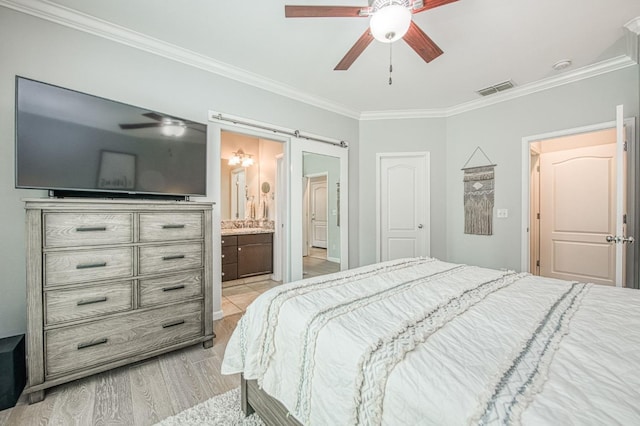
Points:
[479,187]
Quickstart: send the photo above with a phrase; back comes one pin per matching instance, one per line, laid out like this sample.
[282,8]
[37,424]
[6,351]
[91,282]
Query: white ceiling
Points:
[484,42]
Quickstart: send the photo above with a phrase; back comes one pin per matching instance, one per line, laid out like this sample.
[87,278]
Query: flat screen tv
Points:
[75,143]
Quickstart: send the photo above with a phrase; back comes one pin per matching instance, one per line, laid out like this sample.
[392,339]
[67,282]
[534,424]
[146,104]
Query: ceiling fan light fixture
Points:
[390,23]
[173,128]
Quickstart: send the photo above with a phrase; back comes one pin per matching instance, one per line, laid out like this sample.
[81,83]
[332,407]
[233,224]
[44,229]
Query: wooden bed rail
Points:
[271,411]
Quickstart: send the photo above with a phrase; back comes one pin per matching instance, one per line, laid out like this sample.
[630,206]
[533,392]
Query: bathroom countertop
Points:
[243,231]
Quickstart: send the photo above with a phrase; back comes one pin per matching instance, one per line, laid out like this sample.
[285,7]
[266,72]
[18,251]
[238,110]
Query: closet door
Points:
[402,205]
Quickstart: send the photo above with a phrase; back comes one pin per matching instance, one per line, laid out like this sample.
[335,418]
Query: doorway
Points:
[320,228]
[575,173]
[578,200]
[319,185]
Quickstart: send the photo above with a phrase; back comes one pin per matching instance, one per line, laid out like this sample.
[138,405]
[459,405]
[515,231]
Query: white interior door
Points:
[577,213]
[319,212]
[620,239]
[402,205]
[591,243]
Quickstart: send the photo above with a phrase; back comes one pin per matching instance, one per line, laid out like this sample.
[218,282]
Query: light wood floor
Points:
[147,392]
[317,264]
[141,394]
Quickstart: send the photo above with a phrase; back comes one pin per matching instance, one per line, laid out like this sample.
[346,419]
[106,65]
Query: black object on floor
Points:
[12,370]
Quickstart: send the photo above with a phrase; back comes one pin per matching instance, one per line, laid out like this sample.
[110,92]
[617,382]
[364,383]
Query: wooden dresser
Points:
[111,282]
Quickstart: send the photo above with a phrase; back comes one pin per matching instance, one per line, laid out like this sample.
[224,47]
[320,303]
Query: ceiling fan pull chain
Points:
[390,64]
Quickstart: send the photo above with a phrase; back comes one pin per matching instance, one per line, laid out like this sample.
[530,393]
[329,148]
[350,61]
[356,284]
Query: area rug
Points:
[220,410]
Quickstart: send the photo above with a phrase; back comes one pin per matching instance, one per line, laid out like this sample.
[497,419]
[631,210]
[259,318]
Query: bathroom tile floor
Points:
[235,299]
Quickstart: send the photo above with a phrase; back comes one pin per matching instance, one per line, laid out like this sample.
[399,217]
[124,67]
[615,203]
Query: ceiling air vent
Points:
[505,85]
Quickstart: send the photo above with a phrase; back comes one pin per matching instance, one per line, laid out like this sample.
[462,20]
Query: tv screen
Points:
[71,141]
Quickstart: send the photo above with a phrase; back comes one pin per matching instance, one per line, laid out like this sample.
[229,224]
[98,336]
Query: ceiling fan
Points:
[168,125]
[390,21]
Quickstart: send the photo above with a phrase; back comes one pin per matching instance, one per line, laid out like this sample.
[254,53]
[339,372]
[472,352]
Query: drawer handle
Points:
[91,265]
[94,343]
[175,287]
[91,229]
[174,257]
[223,256]
[239,248]
[172,323]
[222,241]
[172,226]
[92,301]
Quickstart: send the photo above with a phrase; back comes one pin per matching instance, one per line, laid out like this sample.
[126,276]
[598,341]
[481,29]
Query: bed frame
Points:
[271,411]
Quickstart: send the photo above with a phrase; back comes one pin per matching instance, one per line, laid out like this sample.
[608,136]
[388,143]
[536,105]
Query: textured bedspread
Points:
[421,342]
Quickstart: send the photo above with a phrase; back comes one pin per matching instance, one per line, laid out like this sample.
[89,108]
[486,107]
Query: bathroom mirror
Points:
[255,199]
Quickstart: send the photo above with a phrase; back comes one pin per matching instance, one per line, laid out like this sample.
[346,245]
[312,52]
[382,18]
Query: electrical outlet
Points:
[503,213]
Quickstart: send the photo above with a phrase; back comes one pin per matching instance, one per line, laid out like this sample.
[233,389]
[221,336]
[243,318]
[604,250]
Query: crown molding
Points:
[633,25]
[583,73]
[90,24]
[403,114]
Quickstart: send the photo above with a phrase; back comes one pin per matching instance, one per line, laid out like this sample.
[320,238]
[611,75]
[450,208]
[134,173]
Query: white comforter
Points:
[424,342]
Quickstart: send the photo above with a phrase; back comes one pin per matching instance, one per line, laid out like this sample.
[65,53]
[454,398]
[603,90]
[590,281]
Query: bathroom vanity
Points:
[246,252]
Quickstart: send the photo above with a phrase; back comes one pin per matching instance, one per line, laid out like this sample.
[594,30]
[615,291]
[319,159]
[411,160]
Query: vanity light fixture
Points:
[239,157]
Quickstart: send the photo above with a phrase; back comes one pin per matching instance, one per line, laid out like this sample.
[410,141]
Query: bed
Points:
[421,341]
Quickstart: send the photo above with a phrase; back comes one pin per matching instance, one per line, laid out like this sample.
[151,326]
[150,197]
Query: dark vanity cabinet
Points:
[229,257]
[245,255]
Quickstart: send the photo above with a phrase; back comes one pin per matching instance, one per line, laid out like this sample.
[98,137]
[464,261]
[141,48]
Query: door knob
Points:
[612,239]
[420,226]
[628,240]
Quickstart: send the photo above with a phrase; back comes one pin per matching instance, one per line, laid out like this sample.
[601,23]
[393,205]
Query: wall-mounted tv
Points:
[72,141]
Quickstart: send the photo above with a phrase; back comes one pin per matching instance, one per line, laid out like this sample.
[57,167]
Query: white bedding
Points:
[421,342]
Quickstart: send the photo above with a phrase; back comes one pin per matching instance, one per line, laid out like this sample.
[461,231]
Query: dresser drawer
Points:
[84,229]
[174,288]
[87,302]
[229,240]
[82,346]
[229,254]
[170,257]
[170,226]
[87,265]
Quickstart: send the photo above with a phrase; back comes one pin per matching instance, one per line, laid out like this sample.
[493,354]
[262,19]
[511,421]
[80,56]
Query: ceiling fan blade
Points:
[323,11]
[421,43]
[353,53]
[139,126]
[153,116]
[430,4]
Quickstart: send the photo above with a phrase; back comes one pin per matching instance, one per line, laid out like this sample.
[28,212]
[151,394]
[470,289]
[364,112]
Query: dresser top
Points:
[113,204]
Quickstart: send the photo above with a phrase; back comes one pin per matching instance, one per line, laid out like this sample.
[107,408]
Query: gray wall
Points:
[48,52]
[402,136]
[499,130]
